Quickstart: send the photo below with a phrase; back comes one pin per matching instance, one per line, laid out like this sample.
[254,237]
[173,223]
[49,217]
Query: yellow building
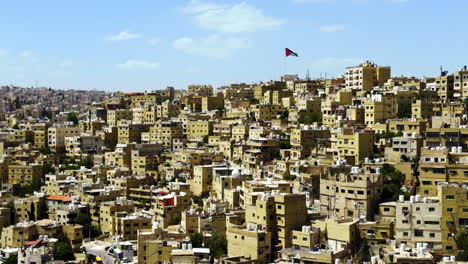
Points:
[127,225]
[114,116]
[29,209]
[212,102]
[152,250]
[165,132]
[266,111]
[447,137]
[444,87]
[408,126]
[440,165]
[352,195]
[199,129]
[108,210]
[454,208]
[74,233]
[304,140]
[200,90]
[250,242]
[24,174]
[419,221]
[14,236]
[131,133]
[202,179]
[355,147]
[460,83]
[366,76]
[56,136]
[379,108]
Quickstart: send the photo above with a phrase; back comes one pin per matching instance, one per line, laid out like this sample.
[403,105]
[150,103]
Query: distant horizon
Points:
[87,45]
[322,77]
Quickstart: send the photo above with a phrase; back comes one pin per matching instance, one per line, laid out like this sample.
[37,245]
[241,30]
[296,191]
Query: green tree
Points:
[404,111]
[196,239]
[285,114]
[175,221]
[63,250]
[71,117]
[462,245]
[393,181]
[43,209]
[88,229]
[86,162]
[197,200]
[220,109]
[46,169]
[12,259]
[45,113]
[287,176]
[254,101]
[311,118]
[217,245]
[27,189]
[45,151]
[205,194]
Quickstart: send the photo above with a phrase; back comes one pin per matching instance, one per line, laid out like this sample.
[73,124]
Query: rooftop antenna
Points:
[307,75]
[442,72]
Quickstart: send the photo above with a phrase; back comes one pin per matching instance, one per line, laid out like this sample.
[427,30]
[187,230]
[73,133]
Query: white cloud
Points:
[226,18]
[3,52]
[213,46]
[138,65]
[154,41]
[26,53]
[332,28]
[124,35]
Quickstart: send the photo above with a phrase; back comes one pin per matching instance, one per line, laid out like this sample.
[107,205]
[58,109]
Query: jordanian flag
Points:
[290,53]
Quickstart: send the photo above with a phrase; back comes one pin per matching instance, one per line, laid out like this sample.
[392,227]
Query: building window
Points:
[418,233]
[449,197]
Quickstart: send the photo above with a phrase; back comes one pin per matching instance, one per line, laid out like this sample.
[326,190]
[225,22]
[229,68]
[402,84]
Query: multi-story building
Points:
[453,198]
[419,221]
[304,140]
[352,195]
[199,129]
[379,108]
[200,90]
[24,174]
[441,165]
[354,147]
[460,83]
[115,116]
[56,136]
[250,242]
[447,137]
[366,76]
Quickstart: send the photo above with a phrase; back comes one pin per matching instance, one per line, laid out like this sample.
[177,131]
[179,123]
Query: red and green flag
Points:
[290,53]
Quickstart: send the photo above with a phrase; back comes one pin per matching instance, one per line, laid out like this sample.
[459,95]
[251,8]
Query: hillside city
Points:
[362,168]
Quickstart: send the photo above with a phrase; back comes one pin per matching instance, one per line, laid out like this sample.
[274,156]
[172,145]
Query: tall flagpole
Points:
[285,66]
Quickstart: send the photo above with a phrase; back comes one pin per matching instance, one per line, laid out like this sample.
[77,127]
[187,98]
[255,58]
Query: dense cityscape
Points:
[361,168]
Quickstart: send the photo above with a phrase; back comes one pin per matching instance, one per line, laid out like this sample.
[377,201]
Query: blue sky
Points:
[149,44]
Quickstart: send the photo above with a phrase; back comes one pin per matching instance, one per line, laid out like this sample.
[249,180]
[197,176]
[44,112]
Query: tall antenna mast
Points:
[307,75]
